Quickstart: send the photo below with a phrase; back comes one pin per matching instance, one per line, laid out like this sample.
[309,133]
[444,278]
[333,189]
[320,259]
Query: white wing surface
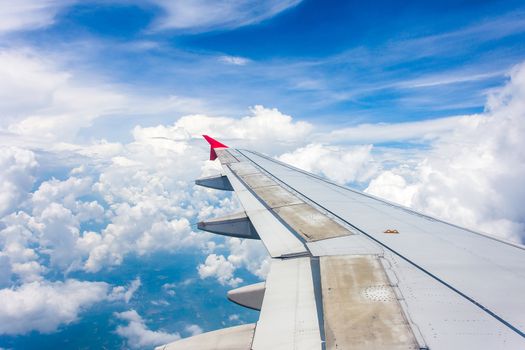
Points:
[351,271]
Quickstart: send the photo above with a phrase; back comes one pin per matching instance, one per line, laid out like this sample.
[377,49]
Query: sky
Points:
[102,104]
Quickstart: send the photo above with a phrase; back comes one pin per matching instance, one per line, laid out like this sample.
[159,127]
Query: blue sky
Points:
[102,104]
[352,61]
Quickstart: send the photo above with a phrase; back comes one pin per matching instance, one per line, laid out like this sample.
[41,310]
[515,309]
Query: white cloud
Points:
[393,186]
[169,288]
[147,211]
[44,104]
[64,192]
[235,60]
[244,253]
[44,306]
[17,175]
[53,229]
[19,258]
[341,164]
[58,233]
[151,209]
[39,99]
[193,329]
[233,317]
[473,175]
[29,14]
[204,15]
[426,130]
[266,130]
[195,15]
[121,293]
[138,335]
[249,254]
[219,267]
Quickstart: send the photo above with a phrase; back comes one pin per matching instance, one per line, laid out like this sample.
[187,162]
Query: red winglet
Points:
[213,144]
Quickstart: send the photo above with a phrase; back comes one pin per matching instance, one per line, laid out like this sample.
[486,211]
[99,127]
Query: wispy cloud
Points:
[23,15]
[42,99]
[205,15]
[449,78]
[409,131]
[235,60]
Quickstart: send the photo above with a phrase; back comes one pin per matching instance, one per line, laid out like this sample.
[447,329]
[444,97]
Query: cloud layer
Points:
[473,174]
[137,197]
[75,204]
[45,306]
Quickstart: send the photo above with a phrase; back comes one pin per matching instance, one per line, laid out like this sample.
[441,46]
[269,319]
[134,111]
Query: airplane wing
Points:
[352,271]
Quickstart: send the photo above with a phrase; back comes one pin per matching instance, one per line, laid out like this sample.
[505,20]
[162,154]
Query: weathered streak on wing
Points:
[258,180]
[226,157]
[306,221]
[348,245]
[276,196]
[484,272]
[310,223]
[361,310]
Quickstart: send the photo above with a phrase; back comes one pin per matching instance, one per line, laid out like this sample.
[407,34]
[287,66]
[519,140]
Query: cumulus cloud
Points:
[266,129]
[473,175]
[138,335]
[50,227]
[151,209]
[17,175]
[18,256]
[123,293]
[44,306]
[193,329]
[205,15]
[143,196]
[247,254]
[219,267]
[341,164]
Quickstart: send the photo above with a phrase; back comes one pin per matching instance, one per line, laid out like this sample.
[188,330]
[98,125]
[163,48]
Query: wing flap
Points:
[232,338]
[288,318]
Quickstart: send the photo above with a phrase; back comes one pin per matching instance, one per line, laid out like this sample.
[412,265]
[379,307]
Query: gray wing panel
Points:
[484,275]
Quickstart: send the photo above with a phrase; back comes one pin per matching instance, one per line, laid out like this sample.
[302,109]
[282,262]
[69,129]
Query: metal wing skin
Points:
[351,271]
